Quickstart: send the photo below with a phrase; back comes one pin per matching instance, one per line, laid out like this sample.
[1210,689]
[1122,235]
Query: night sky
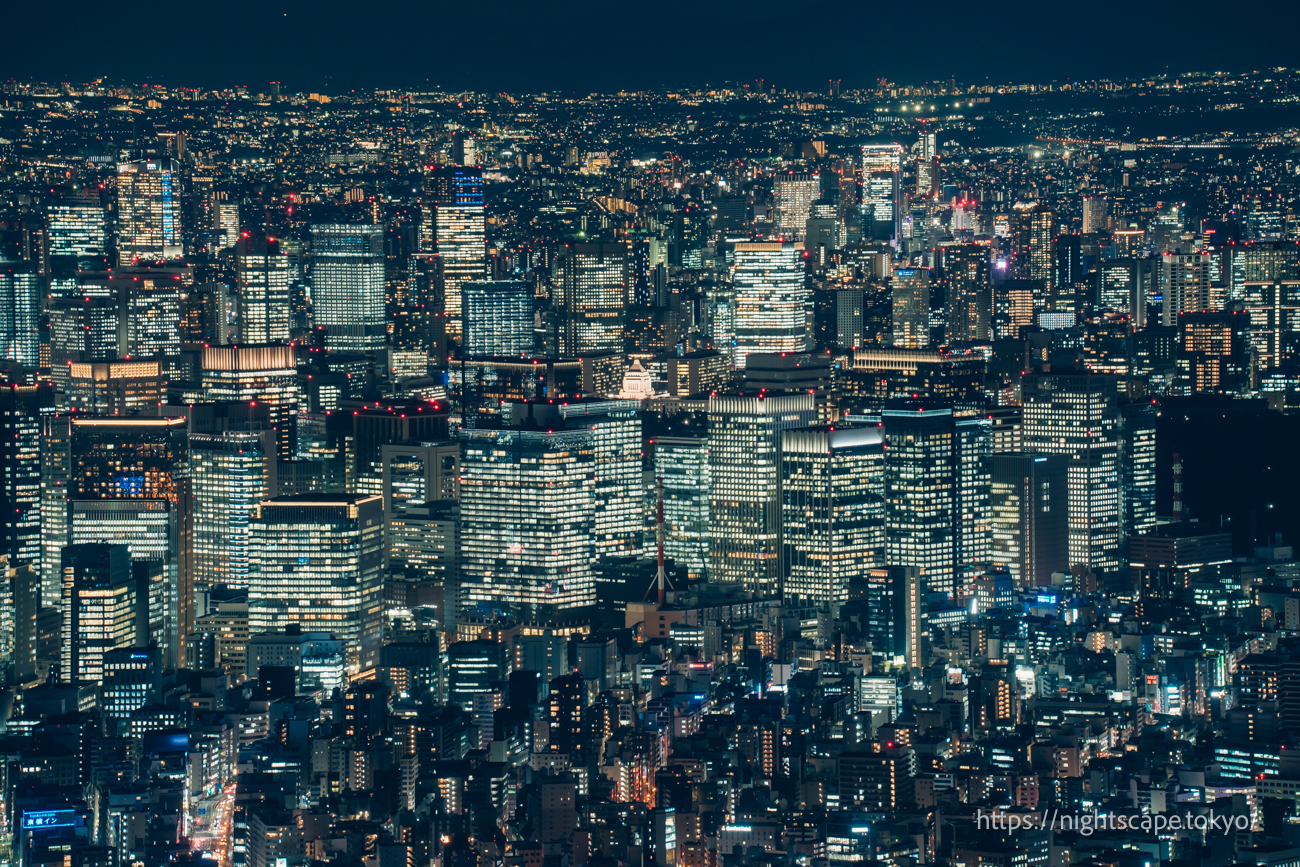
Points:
[530,46]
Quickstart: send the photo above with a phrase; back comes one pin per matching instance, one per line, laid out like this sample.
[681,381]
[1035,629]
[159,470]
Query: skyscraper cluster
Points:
[397,478]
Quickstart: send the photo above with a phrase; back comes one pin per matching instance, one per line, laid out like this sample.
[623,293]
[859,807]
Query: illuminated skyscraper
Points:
[937,481]
[266,374]
[970,292]
[459,228]
[833,511]
[528,517]
[21,408]
[1184,285]
[262,289]
[1033,239]
[1075,415]
[683,464]
[20,309]
[925,154]
[619,523]
[148,210]
[773,304]
[99,608]
[317,561]
[127,482]
[232,471]
[911,296]
[1030,516]
[149,317]
[347,283]
[745,486]
[497,318]
[793,196]
[592,299]
[882,167]
[1095,214]
[1137,457]
[74,232]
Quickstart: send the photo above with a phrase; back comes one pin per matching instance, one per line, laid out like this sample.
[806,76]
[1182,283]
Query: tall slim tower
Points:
[970,292]
[459,224]
[745,486]
[925,154]
[773,304]
[20,310]
[347,280]
[149,210]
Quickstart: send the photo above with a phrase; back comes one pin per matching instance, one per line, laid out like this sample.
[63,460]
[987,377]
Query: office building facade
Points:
[317,561]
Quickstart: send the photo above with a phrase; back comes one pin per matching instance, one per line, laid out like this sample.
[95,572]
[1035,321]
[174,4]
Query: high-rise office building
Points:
[56,476]
[1214,352]
[528,516]
[262,289]
[1096,214]
[792,197]
[74,232]
[114,387]
[925,168]
[1030,516]
[397,423]
[20,309]
[973,533]
[99,608]
[1033,239]
[204,315]
[21,408]
[911,297]
[127,482]
[317,561]
[970,292]
[745,486]
[592,298]
[265,374]
[921,493]
[148,210]
[149,317]
[683,465]
[833,511]
[882,167]
[1137,459]
[773,304]
[81,330]
[458,220]
[130,680]
[1184,285]
[231,472]
[1075,415]
[497,318]
[896,609]
[619,523]
[347,286]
